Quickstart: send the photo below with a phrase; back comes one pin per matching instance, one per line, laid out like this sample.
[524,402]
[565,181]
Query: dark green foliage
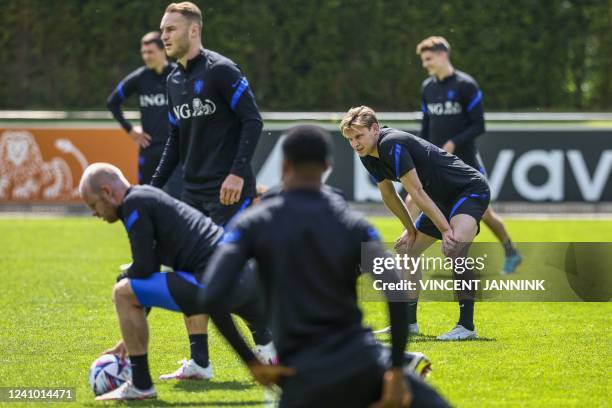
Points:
[320,54]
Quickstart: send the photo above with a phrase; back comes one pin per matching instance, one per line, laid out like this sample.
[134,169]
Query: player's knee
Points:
[122,291]
[459,250]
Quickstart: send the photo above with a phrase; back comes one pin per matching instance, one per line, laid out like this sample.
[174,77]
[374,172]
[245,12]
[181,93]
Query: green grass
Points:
[57,314]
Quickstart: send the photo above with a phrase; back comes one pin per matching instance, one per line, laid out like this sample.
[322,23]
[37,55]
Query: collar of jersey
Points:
[446,79]
[195,60]
[382,133]
[120,208]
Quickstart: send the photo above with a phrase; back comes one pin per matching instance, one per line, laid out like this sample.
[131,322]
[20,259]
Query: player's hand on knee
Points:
[118,350]
[395,392]
[231,190]
[449,243]
[269,374]
[405,241]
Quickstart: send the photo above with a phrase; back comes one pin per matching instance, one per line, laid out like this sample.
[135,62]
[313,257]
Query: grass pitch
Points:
[57,315]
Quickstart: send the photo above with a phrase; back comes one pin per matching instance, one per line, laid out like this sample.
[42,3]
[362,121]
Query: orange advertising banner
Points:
[46,164]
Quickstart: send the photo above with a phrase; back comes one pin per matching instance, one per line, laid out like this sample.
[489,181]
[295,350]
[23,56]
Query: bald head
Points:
[102,188]
[98,175]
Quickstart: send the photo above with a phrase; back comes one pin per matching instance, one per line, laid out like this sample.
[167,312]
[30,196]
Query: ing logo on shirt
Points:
[446,108]
[197,108]
[153,100]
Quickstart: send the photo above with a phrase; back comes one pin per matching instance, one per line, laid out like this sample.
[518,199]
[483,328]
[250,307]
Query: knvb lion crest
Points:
[24,175]
[203,108]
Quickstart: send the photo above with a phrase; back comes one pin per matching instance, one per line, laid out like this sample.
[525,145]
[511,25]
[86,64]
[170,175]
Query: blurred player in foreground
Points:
[162,230]
[453,117]
[452,195]
[149,84]
[307,246]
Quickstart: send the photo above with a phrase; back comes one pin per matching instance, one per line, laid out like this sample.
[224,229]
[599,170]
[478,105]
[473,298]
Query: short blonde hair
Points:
[433,43]
[359,116]
[189,10]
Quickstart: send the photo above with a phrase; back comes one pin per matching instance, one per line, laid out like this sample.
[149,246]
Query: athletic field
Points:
[57,315]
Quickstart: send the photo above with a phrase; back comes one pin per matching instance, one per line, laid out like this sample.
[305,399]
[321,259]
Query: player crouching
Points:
[162,230]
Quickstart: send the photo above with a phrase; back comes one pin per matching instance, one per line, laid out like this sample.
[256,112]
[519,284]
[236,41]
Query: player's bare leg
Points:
[464,229]
[132,318]
[496,224]
[135,333]
[421,243]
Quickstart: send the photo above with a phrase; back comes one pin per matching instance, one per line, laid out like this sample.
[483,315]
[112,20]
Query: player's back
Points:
[307,247]
[184,238]
[443,176]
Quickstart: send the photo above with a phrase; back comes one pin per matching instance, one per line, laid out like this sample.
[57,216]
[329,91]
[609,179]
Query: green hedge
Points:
[320,54]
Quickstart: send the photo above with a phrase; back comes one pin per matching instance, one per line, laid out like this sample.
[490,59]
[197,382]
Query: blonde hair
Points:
[359,116]
[433,43]
[189,10]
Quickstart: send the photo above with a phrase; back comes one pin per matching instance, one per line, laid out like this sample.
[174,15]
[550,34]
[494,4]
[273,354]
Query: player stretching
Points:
[162,230]
[149,83]
[215,126]
[452,195]
[453,116]
[307,244]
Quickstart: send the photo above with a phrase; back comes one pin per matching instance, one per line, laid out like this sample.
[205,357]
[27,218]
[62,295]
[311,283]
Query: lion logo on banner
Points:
[25,175]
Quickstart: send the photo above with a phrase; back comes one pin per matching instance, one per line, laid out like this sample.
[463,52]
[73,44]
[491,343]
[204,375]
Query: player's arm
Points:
[221,275]
[170,157]
[139,227]
[472,105]
[235,89]
[424,133]
[125,88]
[413,186]
[372,249]
[395,204]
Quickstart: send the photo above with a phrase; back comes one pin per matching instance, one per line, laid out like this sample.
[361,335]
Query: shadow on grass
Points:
[428,338]
[198,386]
[161,403]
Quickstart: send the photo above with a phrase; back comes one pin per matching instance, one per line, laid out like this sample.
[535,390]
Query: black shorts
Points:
[473,202]
[359,389]
[148,159]
[220,214]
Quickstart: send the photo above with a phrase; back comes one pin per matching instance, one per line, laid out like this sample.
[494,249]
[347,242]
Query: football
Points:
[108,372]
